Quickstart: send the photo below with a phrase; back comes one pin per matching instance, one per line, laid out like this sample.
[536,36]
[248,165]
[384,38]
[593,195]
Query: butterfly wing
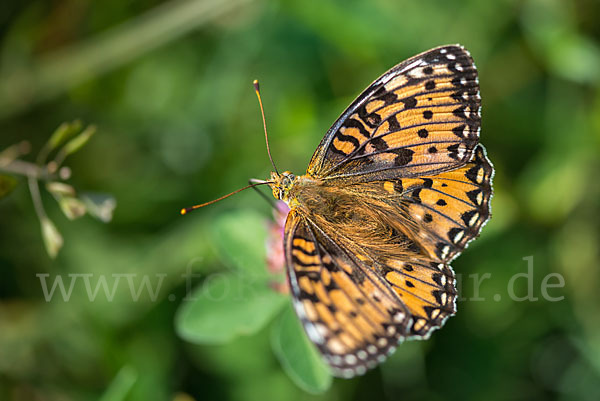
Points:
[409,187]
[446,212]
[420,117]
[349,312]
[449,208]
[357,304]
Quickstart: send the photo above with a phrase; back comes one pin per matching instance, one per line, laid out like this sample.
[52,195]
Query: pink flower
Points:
[274,245]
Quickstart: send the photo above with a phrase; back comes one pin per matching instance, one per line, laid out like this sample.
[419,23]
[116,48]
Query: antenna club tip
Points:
[183,211]
[256,86]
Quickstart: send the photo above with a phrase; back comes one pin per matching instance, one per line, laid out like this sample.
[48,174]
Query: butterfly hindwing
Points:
[351,315]
[421,224]
[420,117]
[449,209]
[426,288]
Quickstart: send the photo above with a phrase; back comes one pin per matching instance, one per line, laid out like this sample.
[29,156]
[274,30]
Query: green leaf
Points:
[7,184]
[551,170]
[240,237]
[79,141]
[227,305]
[298,355]
[62,133]
[121,385]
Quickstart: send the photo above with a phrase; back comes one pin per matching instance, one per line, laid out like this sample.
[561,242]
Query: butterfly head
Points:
[282,184]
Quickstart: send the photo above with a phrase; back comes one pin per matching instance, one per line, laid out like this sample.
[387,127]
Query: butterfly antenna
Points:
[189,209]
[262,112]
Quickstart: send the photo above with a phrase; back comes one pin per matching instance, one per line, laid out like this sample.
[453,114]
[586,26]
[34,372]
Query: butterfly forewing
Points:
[421,117]
[347,311]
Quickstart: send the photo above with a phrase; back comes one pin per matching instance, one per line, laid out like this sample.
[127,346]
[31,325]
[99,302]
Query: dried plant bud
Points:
[52,167]
[73,208]
[60,189]
[100,206]
[64,173]
[52,238]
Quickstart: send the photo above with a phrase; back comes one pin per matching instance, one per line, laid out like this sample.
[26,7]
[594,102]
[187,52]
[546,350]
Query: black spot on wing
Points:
[403,156]
[409,102]
[379,143]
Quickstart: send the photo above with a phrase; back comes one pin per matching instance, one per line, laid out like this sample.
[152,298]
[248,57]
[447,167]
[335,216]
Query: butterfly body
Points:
[355,214]
[395,191]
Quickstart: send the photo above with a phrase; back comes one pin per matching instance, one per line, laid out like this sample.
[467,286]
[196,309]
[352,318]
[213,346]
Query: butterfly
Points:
[394,192]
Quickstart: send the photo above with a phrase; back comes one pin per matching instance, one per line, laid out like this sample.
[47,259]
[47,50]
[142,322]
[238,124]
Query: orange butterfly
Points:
[394,192]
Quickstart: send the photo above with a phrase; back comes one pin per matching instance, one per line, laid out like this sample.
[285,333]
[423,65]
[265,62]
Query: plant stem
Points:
[24,168]
[33,172]
[34,189]
[65,68]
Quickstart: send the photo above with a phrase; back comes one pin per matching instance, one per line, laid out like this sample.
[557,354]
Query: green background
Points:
[168,85]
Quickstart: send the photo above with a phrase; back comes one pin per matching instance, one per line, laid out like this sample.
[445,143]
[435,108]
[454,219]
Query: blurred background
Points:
[168,86]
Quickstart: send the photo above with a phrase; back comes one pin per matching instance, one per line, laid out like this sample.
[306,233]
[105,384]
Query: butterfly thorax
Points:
[294,190]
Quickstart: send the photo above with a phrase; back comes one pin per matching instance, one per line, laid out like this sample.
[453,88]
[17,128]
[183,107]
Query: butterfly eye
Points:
[287,180]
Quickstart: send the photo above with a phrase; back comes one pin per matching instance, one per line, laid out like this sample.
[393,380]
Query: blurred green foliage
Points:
[169,87]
